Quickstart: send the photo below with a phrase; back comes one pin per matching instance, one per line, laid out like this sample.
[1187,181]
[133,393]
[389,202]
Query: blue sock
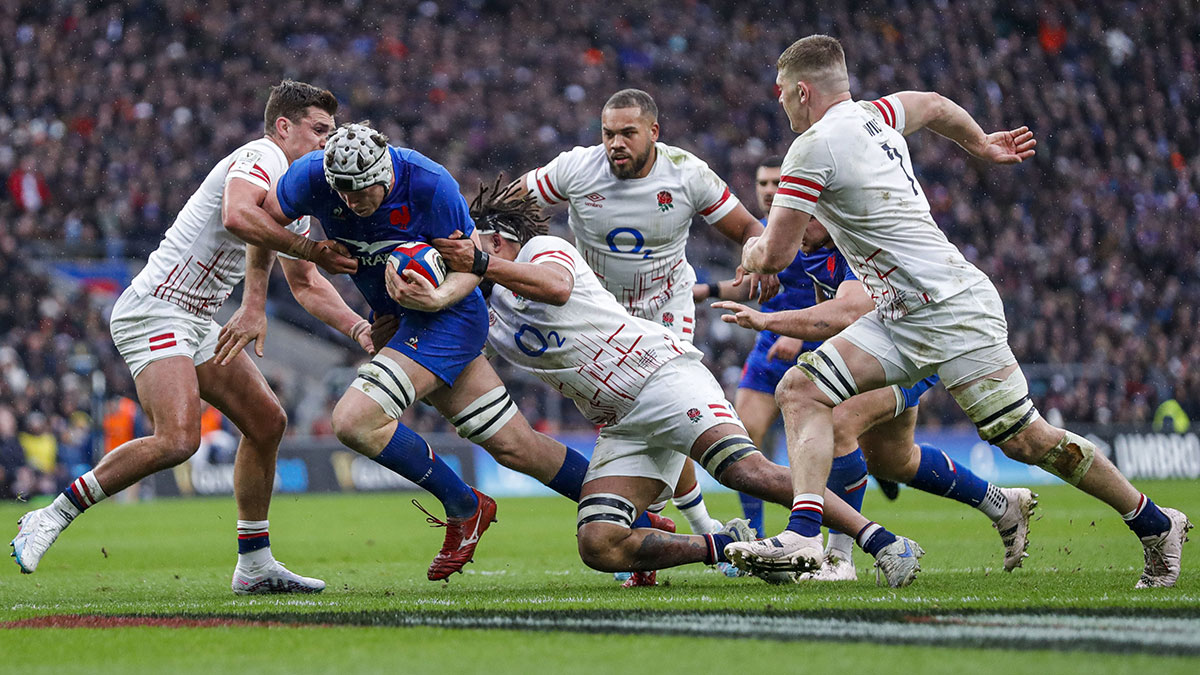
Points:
[807,511]
[753,508]
[716,548]
[848,479]
[410,456]
[940,476]
[874,537]
[1147,519]
[642,521]
[568,482]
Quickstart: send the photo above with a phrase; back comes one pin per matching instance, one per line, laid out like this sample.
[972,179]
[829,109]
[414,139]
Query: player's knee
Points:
[268,426]
[603,523]
[599,547]
[796,392]
[349,425]
[176,444]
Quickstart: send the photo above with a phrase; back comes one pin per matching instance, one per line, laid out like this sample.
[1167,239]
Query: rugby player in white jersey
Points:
[647,389]
[163,327]
[935,312]
[632,201]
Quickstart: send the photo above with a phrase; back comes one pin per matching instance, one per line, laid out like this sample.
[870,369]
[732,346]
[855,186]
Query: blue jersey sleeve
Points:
[449,210]
[844,271]
[294,189]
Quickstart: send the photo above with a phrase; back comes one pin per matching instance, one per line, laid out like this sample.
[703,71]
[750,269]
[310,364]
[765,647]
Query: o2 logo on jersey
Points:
[617,242]
[536,344]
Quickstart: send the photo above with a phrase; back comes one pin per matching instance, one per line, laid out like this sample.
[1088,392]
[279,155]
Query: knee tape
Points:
[486,415]
[1000,409]
[826,368]
[724,453]
[387,384]
[605,507]
[1070,459]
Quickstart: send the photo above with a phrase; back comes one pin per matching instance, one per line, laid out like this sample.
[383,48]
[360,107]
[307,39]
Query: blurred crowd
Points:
[113,112]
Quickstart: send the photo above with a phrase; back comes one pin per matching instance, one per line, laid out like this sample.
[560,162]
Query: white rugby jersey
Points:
[852,170]
[589,349]
[199,262]
[633,232]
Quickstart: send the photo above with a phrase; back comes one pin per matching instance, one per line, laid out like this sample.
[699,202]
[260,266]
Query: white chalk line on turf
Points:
[1159,635]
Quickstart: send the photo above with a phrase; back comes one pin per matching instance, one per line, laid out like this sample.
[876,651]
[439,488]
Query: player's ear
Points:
[283,126]
[654,132]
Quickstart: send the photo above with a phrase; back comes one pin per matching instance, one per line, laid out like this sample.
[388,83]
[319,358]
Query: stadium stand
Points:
[113,112]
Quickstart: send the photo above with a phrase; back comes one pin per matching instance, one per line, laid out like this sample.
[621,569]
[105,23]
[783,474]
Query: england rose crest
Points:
[665,201]
[694,415]
[668,318]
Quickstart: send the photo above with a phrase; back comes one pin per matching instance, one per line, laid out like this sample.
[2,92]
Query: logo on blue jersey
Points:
[371,253]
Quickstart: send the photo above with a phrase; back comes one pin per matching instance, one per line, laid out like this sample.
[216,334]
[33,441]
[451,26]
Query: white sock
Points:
[64,509]
[994,503]
[254,529]
[692,506]
[657,507]
[840,545]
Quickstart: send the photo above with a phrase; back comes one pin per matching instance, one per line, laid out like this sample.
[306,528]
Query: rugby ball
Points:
[420,258]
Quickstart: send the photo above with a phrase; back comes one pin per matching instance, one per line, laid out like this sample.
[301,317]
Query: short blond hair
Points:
[818,59]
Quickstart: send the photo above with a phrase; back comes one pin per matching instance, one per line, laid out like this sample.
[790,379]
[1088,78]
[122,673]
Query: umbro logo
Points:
[594,199]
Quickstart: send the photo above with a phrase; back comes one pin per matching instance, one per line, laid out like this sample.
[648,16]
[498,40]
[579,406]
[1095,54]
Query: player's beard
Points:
[633,168]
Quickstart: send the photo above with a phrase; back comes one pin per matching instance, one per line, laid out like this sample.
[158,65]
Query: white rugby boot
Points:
[1162,552]
[272,577]
[899,562]
[787,552]
[36,531]
[1013,525]
[833,568]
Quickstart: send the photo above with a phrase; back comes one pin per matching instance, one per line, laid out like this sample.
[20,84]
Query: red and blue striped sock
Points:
[874,537]
[254,541]
[716,548]
[82,494]
[1147,519]
[807,511]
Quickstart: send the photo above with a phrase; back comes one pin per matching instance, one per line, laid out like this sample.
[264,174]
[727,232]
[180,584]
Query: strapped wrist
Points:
[714,291]
[479,265]
[358,329]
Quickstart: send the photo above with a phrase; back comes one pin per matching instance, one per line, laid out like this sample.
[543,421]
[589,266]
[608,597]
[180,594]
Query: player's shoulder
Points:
[583,159]
[681,160]
[549,247]
[424,174]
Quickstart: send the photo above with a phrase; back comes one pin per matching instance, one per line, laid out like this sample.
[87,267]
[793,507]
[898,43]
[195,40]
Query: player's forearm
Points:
[819,322]
[253,225]
[943,117]
[258,273]
[537,282]
[723,290]
[319,298]
[456,286]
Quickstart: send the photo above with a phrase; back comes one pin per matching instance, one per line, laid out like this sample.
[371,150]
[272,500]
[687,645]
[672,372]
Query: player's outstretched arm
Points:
[820,322]
[318,297]
[249,323]
[929,109]
[254,216]
[739,226]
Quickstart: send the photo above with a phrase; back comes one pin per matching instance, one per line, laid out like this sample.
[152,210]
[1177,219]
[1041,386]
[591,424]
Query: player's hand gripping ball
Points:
[420,258]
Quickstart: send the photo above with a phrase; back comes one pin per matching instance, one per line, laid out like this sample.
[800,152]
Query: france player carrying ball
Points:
[374,198]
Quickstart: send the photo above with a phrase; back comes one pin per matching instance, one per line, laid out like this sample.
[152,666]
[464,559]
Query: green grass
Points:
[175,557]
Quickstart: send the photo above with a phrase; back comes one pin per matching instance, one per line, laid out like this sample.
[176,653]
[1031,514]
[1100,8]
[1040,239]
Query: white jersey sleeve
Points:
[552,184]
[888,110]
[808,168]
[550,250]
[263,169]
[711,196]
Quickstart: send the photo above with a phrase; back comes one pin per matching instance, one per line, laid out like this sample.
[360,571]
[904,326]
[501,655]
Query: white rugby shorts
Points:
[146,329]
[961,338]
[679,402]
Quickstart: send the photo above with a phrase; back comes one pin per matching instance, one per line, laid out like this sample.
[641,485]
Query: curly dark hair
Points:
[497,208]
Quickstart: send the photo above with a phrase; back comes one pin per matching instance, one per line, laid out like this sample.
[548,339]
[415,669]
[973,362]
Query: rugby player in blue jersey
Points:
[371,196]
